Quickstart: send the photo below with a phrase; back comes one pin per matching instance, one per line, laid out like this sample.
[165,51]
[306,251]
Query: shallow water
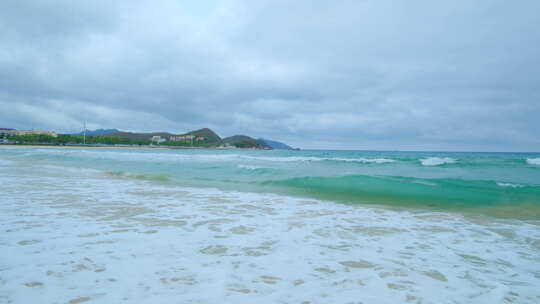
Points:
[500,184]
[81,226]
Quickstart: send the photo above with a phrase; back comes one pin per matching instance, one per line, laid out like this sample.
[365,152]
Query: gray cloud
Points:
[456,75]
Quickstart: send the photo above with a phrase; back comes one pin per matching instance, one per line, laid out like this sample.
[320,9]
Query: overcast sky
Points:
[373,74]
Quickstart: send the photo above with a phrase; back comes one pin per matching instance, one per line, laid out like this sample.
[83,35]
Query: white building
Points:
[35,132]
[7,131]
[158,139]
[181,138]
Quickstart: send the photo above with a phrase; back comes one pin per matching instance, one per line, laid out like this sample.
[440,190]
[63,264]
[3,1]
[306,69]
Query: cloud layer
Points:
[422,75]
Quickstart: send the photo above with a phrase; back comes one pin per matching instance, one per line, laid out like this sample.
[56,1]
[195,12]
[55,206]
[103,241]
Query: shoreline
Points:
[120,147]
[346,188]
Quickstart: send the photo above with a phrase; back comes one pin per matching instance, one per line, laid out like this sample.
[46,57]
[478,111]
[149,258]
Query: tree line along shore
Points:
[202,138]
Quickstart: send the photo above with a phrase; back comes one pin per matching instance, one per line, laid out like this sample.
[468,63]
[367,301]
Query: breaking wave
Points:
[149,177]
[202,157]
[437,161]
[533,161]
[438,193]
[509,185]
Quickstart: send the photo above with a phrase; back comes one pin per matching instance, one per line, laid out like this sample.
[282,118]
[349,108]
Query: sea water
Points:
[236,226]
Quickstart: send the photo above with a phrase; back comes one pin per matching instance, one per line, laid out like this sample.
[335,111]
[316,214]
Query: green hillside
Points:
[132,135]
[276,144]
[203,138]
[210,137]
[246,142]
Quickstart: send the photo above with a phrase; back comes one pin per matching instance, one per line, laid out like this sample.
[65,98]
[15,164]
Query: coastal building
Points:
[7,131]
[181,137]
[158,139]
[199,138]
[35,132]
[6,141]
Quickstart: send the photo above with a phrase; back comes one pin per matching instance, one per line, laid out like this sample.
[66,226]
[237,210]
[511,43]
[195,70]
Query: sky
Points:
[365,74]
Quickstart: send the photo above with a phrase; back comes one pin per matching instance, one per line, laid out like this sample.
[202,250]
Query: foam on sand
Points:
[5,162]
[109,240]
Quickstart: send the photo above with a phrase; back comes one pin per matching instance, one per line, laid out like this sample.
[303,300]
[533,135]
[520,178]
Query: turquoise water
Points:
[499,184]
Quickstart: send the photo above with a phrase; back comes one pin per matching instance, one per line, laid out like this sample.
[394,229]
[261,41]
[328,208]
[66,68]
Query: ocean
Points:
[121,225]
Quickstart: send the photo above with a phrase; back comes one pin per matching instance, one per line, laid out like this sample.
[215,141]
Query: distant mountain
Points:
[276,144]
[98,132]
[197,138]
[200,138]
[246,142]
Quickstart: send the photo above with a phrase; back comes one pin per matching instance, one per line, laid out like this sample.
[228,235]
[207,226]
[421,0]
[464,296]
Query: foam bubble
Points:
[437,161]
[176,243]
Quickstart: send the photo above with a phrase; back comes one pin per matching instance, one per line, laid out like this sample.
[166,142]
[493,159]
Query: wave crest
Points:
[509,185]
[203,157]
[533,161]
[432,193]
[437,161]
[122,174]
[249,167]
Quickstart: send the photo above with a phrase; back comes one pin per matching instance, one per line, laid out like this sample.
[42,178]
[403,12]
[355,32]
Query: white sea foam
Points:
[533,161]
[71,170]
[365,160]
[181,157]
[509,185]
[437,161]
[110,240]
[318,159]
[5,162]
[280,159]
[424,182]
[249,167]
